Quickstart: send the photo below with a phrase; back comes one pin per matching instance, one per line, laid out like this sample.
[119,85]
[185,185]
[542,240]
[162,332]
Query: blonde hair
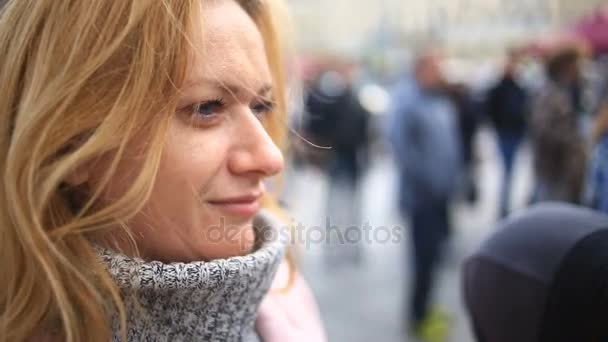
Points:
[79,80]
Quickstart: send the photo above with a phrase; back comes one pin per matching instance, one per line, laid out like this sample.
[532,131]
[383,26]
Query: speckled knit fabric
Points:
[199,301]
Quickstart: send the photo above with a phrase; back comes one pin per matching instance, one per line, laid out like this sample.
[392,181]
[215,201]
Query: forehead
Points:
[227,47]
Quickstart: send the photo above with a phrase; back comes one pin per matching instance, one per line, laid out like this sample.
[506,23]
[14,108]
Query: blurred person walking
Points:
[338,121]
[558,142]
[427,148]
[507,107]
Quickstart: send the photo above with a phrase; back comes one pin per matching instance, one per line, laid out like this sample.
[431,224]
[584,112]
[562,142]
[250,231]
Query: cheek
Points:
[193,162]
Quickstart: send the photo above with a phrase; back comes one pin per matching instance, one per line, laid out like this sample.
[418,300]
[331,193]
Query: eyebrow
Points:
[231,88]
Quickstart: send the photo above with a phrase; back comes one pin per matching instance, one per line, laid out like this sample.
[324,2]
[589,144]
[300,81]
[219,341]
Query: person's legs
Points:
[508,144]
[429,232]
[343,214]
[424,249]
[442,216]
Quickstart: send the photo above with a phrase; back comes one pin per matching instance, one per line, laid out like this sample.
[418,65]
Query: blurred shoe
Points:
[436,327]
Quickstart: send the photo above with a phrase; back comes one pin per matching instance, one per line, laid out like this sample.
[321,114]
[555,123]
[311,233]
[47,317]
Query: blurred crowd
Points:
[430,123]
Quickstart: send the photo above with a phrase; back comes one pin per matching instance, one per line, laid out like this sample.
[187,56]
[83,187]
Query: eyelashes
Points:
[209,108]
[263,107]
[209,112]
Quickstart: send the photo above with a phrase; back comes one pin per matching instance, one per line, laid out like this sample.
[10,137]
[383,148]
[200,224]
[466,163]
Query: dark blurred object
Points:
[541,277]
[507,108]
[559,147]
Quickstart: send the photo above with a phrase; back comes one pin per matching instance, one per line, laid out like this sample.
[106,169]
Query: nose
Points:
[255,152]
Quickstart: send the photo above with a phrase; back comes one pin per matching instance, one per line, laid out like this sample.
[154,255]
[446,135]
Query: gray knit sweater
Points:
[198,301]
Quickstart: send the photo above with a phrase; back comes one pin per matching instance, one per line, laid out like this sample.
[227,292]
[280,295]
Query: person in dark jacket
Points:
[338,121]
[507,103]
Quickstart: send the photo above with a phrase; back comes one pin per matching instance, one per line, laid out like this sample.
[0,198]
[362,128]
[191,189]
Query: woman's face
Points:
[217,153]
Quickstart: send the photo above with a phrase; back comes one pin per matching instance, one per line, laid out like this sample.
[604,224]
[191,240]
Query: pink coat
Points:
[292,316]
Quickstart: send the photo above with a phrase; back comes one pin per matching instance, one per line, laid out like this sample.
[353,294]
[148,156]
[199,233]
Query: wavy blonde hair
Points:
[80,79]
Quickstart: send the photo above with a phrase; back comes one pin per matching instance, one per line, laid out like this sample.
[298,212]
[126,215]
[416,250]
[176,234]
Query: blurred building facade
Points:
[352,26]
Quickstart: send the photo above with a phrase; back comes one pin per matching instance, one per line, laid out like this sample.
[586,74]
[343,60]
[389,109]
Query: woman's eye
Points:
[208,109]
[262,108]
[208,113]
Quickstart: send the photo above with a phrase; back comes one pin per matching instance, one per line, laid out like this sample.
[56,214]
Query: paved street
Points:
[360,288]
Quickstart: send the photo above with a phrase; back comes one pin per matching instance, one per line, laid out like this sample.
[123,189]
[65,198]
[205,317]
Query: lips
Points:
[244,206]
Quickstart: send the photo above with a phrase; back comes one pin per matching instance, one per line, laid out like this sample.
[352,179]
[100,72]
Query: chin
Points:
[229,240]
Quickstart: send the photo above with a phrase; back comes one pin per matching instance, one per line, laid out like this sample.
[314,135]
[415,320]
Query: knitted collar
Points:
[198,301]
